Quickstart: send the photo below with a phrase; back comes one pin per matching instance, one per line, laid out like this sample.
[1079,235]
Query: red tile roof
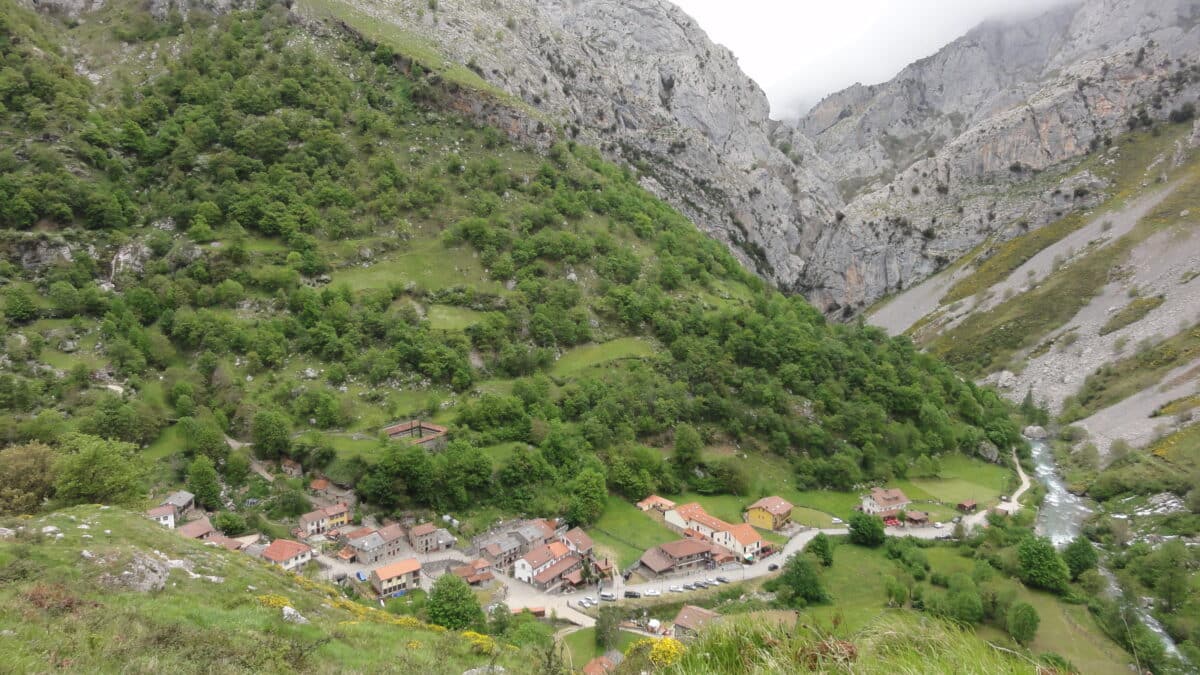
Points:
[313,517]
[544,554]
[197,529]
[556,570]
[423,529]
[319,484]
[579,538]
[406,566]
[695,513]
[223,541]
[776,506]
[889,497]
[359,533]
[654,501]
[683,548]
[336,509]
[694,618]
[745,534]
[283,550]
[392,532]
[164,510]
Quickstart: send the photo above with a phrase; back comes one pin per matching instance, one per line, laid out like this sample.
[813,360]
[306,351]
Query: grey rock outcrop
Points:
[948,152]
[640,80]
[874,189]
[292,616]
[1034,433]
[877,187]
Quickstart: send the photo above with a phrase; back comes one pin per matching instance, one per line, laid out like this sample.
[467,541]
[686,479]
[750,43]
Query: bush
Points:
[866,530]
[1022,622]
[1040,566]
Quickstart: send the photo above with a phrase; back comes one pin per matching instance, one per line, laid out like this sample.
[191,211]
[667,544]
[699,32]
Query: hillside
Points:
[980,140]
[1091,313]
[321,248]
[878,186]
[102,590]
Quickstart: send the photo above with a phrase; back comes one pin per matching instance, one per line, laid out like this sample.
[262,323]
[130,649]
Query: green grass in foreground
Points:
[581,645]
[1068,630]
[67,612]
[586,356]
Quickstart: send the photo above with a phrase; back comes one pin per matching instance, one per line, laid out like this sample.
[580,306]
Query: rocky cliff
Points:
[964,145]
[878,186]
[641,80]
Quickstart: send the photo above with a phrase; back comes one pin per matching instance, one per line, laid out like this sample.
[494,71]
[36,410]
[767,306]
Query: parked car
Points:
[939,525]
[723,580]
[632,594]
[701,584]
[608,596]
[652,593]
[689,587]
[772,567]
[836,521]
[592,599]
[676,589]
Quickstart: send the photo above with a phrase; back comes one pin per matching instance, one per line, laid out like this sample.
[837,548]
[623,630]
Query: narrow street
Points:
[524,595]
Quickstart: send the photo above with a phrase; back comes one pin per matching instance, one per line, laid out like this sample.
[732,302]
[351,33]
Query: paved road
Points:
[760,568]
[519,595]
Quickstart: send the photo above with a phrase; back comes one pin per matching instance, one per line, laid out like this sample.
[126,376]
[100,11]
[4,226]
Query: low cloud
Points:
[799,51]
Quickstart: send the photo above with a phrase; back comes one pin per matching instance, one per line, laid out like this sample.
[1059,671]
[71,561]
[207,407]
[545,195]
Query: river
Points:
[1061,518]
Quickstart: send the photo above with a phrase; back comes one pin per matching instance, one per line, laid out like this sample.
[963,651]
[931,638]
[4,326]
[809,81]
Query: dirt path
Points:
[1014,501]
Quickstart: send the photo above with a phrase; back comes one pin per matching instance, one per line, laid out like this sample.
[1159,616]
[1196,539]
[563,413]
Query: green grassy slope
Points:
[67,607]
[311,235]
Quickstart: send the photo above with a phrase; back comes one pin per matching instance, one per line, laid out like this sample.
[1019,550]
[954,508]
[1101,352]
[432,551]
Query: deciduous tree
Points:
[588,498]
[202,482]
[1022,622]
[1040,566]
[1080,556]
[799,585]
[822,549]
[98,471]
[26,477]
[453,605]
[866,530]
[272,432]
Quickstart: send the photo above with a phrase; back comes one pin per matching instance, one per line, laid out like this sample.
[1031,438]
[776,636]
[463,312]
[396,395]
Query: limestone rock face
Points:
[877,186]
[965,144]
[640,80]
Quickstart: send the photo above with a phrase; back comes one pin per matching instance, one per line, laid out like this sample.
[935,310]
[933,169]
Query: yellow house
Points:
[769,513]
[338,514]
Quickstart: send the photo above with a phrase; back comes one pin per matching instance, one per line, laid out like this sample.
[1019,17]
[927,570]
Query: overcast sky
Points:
[800,50]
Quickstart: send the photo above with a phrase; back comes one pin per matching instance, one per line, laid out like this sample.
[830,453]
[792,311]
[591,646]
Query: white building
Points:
[538,560]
